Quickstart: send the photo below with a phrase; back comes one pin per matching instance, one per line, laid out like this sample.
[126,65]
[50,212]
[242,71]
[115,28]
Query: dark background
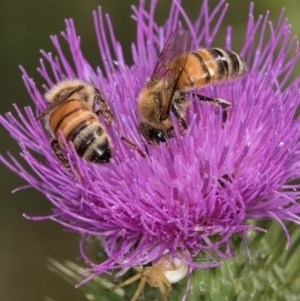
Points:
[25,27]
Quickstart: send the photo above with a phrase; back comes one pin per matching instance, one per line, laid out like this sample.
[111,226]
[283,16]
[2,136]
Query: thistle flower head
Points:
[192,194]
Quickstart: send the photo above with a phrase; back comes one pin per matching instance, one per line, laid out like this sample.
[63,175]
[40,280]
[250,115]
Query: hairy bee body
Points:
[177,72]
[71,112]
[156,125]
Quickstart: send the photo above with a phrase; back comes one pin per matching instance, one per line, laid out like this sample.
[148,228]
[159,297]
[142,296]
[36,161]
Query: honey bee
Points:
[161,275]
[72,112]
[177,72]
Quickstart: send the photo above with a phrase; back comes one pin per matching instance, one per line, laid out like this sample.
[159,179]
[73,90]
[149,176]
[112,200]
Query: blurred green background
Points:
[25,27]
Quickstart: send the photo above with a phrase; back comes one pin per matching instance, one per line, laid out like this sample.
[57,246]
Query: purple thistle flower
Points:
[195,193]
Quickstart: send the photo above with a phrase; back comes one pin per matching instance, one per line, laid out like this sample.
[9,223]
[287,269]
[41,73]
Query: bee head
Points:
[154,136]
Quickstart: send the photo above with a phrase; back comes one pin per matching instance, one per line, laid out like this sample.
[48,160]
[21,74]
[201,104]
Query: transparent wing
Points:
[170,65]
[59,99]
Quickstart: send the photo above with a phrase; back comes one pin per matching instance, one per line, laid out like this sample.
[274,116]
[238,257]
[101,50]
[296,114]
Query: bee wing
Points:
[59,99]
[170,64]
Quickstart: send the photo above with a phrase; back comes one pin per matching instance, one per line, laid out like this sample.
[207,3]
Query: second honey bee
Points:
[72,111]
[178,72]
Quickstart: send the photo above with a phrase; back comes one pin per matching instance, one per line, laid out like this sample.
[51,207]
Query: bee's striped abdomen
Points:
[205,66]
[93,144]
[229,64]
[80,125]
[69,117]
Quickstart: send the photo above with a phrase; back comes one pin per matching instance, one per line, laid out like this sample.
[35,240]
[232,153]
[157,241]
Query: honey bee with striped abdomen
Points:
[72,112]
[177,72]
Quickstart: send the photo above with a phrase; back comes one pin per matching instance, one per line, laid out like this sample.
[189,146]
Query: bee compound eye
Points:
[160,136]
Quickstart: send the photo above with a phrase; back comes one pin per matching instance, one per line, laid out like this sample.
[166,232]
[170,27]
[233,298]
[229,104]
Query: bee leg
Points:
[62,159]
[176,111]
[218,101]
[109,118]
[104,109]
[59,155]
[132,145]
